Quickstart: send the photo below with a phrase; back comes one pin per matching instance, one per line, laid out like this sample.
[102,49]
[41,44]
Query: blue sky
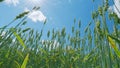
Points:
[59,13]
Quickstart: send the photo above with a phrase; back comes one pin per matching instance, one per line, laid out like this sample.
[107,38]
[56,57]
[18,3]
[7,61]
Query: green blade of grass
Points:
[113,45]
[25,61]
[19,38]
[1,63]
[116,39]
[17,64]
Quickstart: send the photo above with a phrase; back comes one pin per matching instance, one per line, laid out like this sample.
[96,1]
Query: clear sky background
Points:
[59,13]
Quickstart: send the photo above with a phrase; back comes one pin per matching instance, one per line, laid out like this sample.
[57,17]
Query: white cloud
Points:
[117,3]
[14,2]
[36,15]
[116,7]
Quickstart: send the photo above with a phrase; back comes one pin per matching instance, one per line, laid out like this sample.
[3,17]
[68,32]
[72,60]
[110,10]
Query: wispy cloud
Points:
[36,15]
[14,2]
